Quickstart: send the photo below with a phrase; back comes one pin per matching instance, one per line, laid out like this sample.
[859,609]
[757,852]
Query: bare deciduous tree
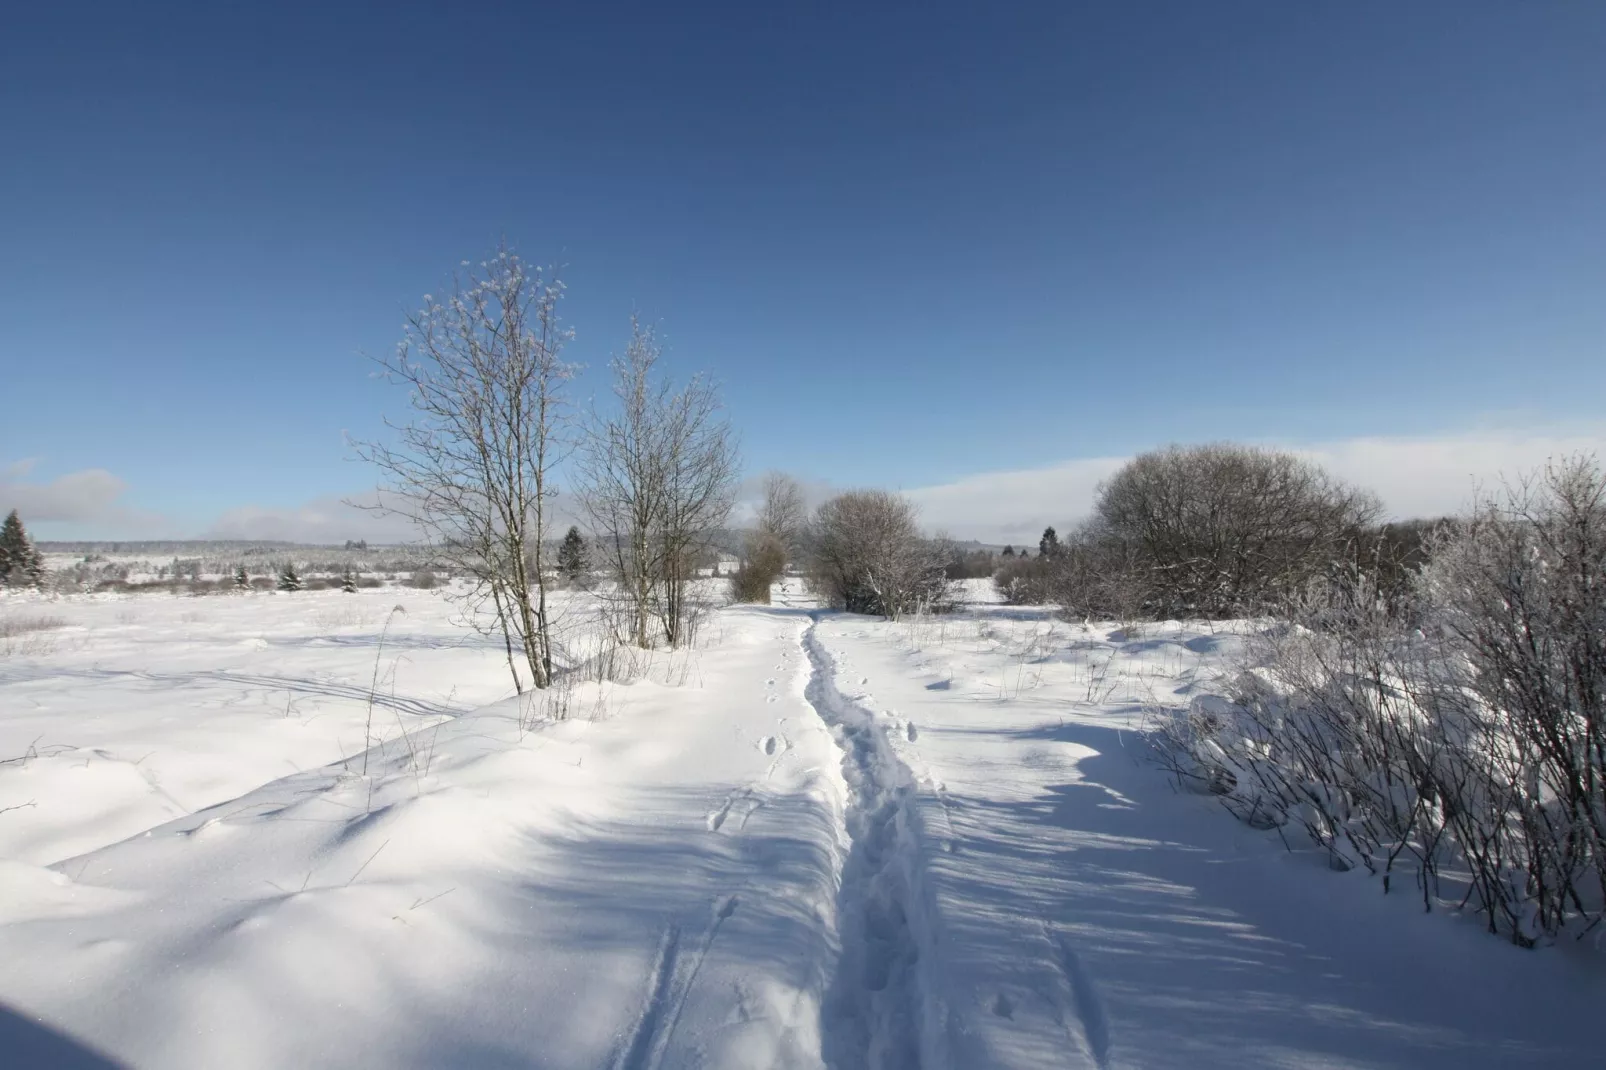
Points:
[473,466]
[782,513]
[657,481]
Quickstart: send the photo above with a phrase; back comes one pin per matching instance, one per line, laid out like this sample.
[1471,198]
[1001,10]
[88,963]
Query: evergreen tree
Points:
[16,552]
[288,579]
[572,556]
[348,582]
[1049,545]
[34,571]
[1009,551]
[242,582]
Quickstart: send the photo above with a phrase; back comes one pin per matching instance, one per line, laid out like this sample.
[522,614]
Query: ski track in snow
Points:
[1087,1024]
[672,979]
[873,1016]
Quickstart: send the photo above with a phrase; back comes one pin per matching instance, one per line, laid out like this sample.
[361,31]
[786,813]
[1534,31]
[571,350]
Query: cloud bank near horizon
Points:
[1421,476]
[87,498]
[1415,476]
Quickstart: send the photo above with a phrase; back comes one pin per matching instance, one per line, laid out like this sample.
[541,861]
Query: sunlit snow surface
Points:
[815,841]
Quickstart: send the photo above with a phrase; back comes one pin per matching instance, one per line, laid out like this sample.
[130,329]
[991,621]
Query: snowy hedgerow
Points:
[1464,733]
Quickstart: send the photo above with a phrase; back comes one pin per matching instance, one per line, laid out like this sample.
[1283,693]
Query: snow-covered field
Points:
[817,840]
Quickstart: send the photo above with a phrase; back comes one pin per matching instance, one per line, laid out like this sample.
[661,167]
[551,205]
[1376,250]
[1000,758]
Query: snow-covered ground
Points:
[817,840]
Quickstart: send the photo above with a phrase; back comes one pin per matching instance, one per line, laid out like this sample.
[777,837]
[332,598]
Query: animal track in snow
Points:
[719,815]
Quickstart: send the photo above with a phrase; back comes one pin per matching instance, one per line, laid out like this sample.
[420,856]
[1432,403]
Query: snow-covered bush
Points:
[1464,733]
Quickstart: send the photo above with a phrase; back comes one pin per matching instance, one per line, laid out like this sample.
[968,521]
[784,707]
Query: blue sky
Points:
[917,244]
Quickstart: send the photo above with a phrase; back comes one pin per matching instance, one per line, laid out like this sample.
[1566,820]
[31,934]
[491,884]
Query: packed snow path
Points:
[819,842]
[873,1016]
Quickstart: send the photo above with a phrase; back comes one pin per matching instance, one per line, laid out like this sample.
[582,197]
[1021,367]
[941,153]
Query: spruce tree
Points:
[16,552]
[288,579]
[1009,551]
[242,582]
[1049,545]
[348,582]
[34,571]
[572,556]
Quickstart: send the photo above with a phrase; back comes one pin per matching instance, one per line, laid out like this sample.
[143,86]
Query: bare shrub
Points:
[22,634]
[763,563]
[422,579]
[867,555]
[1520,594]
[1087,577]
[11,627]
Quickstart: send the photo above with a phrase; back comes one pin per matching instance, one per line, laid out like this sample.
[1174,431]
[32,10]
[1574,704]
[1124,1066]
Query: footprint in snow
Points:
[769,744]
[911,732]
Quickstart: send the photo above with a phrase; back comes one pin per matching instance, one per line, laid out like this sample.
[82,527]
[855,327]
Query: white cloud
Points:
[1433,476]
[323,520]
[1013,507]
[89,497]
[1417,476]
